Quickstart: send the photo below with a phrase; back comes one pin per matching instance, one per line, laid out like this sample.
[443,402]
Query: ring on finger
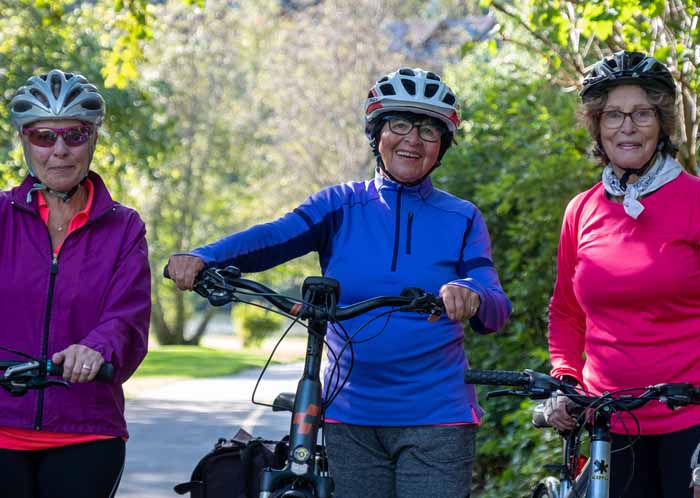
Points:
[86,366]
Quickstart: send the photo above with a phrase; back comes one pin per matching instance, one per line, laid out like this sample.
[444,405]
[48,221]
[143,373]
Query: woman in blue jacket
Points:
[404,424]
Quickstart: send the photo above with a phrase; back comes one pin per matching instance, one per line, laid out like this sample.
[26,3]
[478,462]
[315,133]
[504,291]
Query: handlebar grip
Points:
[496,378]
[105,374]
[166,272]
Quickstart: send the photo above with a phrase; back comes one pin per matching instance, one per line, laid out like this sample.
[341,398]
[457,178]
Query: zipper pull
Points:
[54,264]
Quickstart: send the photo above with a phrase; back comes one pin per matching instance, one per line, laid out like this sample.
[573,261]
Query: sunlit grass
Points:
[195,362]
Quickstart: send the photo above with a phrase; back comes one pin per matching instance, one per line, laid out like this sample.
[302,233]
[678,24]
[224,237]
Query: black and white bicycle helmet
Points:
[412,90]
[627,68]
[56,95]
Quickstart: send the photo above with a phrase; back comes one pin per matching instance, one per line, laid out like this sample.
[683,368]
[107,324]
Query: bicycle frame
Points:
[303,459]
[306,472]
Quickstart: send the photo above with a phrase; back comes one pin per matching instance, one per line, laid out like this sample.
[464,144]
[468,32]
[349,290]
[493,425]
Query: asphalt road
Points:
[173,426]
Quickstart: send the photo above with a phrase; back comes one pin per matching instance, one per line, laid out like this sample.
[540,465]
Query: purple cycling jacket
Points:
[96,292]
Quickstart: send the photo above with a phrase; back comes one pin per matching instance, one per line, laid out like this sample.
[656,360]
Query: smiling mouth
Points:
[629,146]
[409,155]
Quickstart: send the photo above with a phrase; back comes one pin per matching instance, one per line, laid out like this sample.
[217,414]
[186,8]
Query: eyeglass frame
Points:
[601,117]
[59,132]
[436,124]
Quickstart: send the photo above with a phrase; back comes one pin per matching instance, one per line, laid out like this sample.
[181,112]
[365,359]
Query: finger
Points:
[58,358]
[474,303]
[96,364]
[449,300]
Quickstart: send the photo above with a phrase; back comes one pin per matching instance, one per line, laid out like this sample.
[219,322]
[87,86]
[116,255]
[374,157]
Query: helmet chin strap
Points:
[64,196]
[636,171]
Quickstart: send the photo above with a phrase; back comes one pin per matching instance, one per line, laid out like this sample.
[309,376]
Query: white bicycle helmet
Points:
[56,95]
[413,90]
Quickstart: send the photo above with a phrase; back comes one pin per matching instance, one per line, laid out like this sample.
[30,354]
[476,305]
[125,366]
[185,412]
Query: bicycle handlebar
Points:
[21,376]
[219,286]
[537,385]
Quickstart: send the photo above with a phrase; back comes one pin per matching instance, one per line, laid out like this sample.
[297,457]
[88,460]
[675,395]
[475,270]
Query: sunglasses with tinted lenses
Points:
[73,136]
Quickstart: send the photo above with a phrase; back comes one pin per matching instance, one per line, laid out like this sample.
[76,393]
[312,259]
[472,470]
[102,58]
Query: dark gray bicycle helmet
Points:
[627,68]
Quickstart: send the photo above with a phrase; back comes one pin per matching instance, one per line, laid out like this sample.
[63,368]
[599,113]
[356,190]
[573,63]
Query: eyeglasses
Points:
[640,117]
[430,132]
[73,136]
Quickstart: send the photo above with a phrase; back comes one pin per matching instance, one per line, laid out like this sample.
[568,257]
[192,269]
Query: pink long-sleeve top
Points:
[626,305]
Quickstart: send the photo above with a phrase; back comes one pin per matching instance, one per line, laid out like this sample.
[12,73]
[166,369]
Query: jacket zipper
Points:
[408,232]
[397,229]
[49,304]
[45,343]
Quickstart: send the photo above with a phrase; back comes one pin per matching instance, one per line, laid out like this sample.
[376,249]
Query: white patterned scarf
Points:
[664,170]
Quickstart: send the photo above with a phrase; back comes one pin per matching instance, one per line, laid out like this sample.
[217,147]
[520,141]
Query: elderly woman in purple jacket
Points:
[74,288]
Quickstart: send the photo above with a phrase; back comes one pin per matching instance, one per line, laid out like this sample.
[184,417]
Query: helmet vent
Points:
[22,106]
[409,86]
[39,96]
[55,85]
[431,89]
[449,99]
[72,95]
[406,72]
[387,89]
[383,80]
[92,104]
[432,76]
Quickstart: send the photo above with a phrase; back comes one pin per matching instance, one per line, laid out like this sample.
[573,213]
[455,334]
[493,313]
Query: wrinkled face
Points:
[408,158]
[630,145]
[59,166]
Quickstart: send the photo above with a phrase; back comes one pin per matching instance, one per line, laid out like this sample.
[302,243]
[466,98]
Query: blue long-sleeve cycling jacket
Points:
[377,238]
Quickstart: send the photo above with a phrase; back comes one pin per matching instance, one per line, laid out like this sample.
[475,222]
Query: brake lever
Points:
[505,392]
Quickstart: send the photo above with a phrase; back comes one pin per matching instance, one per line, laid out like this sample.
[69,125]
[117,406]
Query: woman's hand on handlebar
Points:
[80,363]
[556,412]
[460,302]
[183,269]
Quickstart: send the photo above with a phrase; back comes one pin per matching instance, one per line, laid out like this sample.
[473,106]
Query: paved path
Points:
[173,426]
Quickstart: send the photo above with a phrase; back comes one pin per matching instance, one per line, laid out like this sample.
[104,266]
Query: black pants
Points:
[87,470]
[661,465]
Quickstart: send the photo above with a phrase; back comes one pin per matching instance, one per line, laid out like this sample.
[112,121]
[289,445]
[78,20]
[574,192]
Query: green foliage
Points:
[253,324]
[569,36]
[520,159]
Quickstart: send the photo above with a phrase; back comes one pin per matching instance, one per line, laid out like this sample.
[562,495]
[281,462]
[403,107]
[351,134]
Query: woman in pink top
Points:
[626,306]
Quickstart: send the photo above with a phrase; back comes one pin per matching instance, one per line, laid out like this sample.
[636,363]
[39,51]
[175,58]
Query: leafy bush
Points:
[253,324]
[521,157]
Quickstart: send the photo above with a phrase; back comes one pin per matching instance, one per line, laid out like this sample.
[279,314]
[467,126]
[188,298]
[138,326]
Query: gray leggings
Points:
[401,462]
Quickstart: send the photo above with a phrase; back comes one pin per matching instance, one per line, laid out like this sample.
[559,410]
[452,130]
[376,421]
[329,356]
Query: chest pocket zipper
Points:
[409,231]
